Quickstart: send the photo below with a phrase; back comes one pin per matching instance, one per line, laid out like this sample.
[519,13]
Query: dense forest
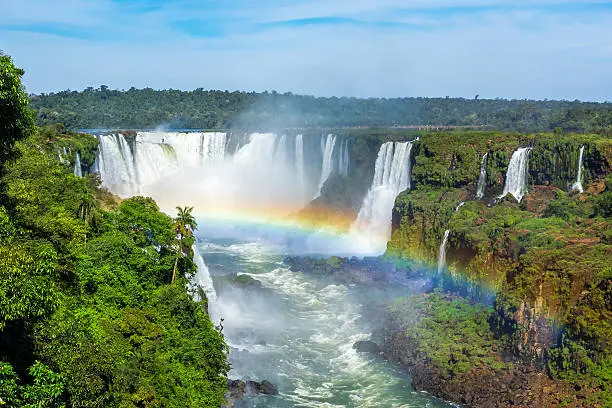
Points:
[95,309]
[201,109]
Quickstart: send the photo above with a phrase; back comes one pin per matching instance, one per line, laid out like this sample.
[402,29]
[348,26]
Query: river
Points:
[297,330]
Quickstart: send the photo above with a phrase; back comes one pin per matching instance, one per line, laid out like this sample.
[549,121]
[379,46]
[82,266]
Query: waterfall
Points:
[77,166]
[126,169]
[299,164]
[442,255]
[516,176]
[391,177]
[343,159]
[461,204]
[482,179]
[116,165]
[578,184]
[202,280]
[327,165]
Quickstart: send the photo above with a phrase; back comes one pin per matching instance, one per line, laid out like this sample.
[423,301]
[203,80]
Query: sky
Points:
[535,49]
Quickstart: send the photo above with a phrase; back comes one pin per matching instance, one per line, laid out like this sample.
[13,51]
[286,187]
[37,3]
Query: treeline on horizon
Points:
[201,109]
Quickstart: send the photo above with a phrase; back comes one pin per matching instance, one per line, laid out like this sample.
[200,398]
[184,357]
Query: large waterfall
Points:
[482,179]
[391,177]
[516,176]
[263,173]
[578,184]
[442,254]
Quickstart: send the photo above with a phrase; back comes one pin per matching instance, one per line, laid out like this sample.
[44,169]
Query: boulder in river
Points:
[366,346]
[238,389]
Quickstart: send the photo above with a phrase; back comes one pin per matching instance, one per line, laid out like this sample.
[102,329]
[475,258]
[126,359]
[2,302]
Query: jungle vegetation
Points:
[209,109]
[94,305]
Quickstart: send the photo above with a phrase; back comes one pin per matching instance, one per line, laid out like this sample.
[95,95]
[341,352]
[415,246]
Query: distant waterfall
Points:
[482,179]
[77,166]
[578,184]
[391,177]
[202,280]
[343,159]
[299,163]
[442,254]
[516,176]
[327,165]
[461,204]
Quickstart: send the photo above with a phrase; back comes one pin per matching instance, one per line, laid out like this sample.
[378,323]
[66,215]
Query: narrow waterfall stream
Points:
[578,184]
[482,179]
[442,253]
[78,171]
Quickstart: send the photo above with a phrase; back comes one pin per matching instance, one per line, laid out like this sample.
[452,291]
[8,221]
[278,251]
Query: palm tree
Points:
[184,225]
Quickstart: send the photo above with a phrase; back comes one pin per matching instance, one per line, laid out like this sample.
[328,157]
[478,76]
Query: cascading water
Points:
[578,184]
[264,172]
[516,176]
[482,179]
[77,166]
[461,204]
[299,164]
[327,166]
[442,254]
[391,177]
[202,280]
[343,159]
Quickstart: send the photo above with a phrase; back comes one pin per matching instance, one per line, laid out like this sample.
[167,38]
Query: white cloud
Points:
[514,54]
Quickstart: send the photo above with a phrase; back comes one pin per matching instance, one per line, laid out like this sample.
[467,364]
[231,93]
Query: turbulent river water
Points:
[297,331]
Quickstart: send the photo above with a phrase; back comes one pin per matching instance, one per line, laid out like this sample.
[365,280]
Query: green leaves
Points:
[27,290]
[45,390]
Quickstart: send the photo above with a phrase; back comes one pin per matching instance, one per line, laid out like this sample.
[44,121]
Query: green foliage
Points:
[453,335]
[16,119]
[90,289]
[45,390]
[200,109]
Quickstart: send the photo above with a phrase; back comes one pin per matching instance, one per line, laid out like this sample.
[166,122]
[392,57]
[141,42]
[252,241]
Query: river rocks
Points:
[366,346]
[239,389]
[246,281]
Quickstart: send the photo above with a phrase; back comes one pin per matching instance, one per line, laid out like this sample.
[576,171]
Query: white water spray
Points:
[516,176]
[77,166]
[482,179]
[442,254]
[578,184]
[391,177]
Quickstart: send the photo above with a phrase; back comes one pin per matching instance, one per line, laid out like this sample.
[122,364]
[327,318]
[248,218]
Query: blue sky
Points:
[496,48]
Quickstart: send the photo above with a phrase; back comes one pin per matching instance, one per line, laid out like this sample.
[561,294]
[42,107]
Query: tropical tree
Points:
[184,225]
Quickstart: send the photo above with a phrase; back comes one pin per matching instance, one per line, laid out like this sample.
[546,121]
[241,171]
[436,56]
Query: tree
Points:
[16,118]
[184,225]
